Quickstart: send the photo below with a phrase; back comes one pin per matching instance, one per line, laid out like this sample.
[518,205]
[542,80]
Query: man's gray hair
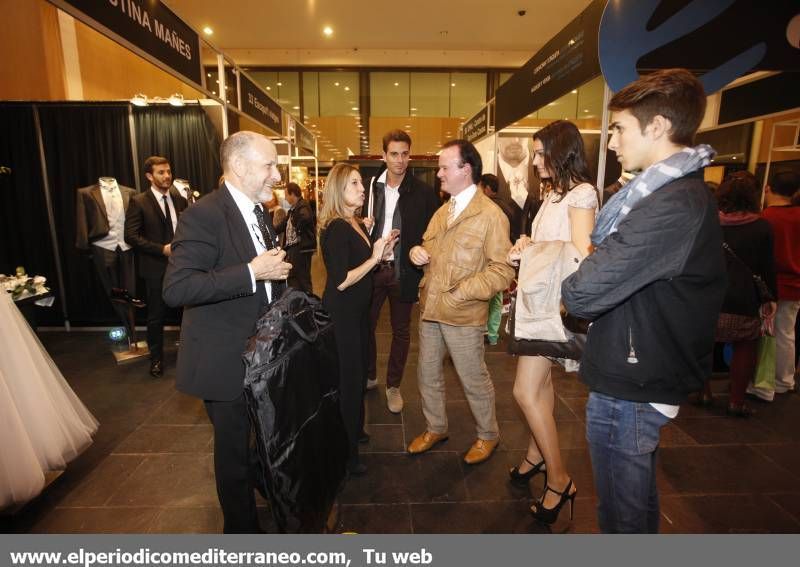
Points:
[235,145]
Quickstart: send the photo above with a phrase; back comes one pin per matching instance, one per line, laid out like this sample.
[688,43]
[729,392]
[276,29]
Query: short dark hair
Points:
[396,136]
[564,155]
[490,180]
[153,161]
[675,94]
[468,154]
[785,183]
[293,188]
[739,193]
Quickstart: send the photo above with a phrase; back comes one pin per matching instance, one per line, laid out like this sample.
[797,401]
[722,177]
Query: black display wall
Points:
[186,137]
[82,142]
[24,225]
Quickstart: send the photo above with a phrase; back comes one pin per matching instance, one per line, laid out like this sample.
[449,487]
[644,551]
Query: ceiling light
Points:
[208,31]
[176,99]
[295,108]
[208,74]
[139,99]
[575,91]
[279,84]
[452,84]
[354,108]
[336,84]
[551,104]
[586,110]
[413,109]
[397,84]
[269,88]
[347,88]
[328,31]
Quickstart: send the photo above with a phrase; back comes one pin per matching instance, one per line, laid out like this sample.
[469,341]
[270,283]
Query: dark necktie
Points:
[269,238]
[170,234]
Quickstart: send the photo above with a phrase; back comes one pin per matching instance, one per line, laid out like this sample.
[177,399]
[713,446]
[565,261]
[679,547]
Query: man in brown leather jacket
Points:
[463,253]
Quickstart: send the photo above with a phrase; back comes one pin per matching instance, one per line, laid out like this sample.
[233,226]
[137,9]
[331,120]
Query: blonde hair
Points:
[333,206]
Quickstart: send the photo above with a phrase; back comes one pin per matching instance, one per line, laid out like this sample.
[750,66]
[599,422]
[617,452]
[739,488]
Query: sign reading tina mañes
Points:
[259,106]
[476,127]
[147,25]
[565,62]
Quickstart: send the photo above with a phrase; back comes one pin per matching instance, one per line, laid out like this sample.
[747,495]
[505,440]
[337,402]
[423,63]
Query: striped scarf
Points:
[650,180]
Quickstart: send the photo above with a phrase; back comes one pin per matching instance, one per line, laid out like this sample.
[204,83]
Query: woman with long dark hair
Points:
[748,239]
[349,260]
[567,214]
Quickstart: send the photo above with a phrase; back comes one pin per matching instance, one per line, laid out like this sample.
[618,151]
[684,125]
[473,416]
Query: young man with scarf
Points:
[652,288]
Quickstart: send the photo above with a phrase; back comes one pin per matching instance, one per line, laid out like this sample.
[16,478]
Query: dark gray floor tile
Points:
[168,439]
[744,513]
[97,520]
[392,478]
[374,519]
[722,469]
[170,481]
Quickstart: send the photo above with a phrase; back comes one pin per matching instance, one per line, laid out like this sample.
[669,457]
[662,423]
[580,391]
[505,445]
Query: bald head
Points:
[250,163]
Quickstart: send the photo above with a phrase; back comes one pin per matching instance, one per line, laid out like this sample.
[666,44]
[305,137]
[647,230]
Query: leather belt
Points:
[385,265]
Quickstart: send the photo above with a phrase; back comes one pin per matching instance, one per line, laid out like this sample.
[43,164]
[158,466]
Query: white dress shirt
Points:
[160,200]
[390,197]
[463,199]
[245,206]
[115,210]
[517,179]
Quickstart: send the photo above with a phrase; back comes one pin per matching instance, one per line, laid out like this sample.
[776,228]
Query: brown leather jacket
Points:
[468,264]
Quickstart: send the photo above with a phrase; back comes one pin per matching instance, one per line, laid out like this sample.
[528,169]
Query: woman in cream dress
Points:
[567,214]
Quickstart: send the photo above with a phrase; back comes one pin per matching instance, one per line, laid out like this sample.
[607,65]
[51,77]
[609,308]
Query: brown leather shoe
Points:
[480,451]
[425,441]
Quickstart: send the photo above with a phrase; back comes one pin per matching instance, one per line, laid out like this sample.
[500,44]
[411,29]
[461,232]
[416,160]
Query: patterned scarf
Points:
[651,179]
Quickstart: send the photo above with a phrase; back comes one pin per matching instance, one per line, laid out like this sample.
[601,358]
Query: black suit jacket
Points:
[417,203]
[208,275]
[146,231]
[91,216]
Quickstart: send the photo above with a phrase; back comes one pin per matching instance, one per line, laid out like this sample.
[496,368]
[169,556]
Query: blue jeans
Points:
[623,439]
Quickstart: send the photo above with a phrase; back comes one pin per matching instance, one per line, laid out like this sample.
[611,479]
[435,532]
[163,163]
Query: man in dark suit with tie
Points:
[149,227]
[224,270]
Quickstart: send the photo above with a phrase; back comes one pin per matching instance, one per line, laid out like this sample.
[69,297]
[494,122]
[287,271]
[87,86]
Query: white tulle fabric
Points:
[43,424]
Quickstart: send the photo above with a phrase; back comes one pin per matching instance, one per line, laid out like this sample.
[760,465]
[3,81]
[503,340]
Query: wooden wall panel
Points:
[32,67]
[112,72]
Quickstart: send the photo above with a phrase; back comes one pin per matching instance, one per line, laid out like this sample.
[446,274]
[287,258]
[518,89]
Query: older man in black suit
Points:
[150,224]
[225,269]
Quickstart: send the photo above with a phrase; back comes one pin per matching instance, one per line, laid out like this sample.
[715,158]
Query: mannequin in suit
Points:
[185,190]
[149,228]
[100,230]
[224,270]
[516,175]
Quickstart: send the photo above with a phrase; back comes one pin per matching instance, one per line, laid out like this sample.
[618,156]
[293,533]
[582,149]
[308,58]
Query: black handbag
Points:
[292,389]
[572,348]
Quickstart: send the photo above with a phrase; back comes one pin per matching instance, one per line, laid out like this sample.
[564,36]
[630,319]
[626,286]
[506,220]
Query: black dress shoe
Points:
[122,296]
[156,368]
[363,438]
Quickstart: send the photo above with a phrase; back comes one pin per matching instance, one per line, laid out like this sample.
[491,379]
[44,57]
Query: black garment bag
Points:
[292,390]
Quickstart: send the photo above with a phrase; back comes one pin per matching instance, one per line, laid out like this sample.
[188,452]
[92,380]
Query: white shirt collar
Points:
[242,201]
[158,194]
[463,198]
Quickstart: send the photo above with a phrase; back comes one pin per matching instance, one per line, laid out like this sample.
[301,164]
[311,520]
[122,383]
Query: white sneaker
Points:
[394,400]
[372,384]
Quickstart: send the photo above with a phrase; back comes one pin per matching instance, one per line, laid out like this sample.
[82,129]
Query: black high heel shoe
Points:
[523,478]
[550,515]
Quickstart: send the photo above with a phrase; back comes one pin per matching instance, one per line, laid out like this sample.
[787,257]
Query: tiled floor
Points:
[150,468]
